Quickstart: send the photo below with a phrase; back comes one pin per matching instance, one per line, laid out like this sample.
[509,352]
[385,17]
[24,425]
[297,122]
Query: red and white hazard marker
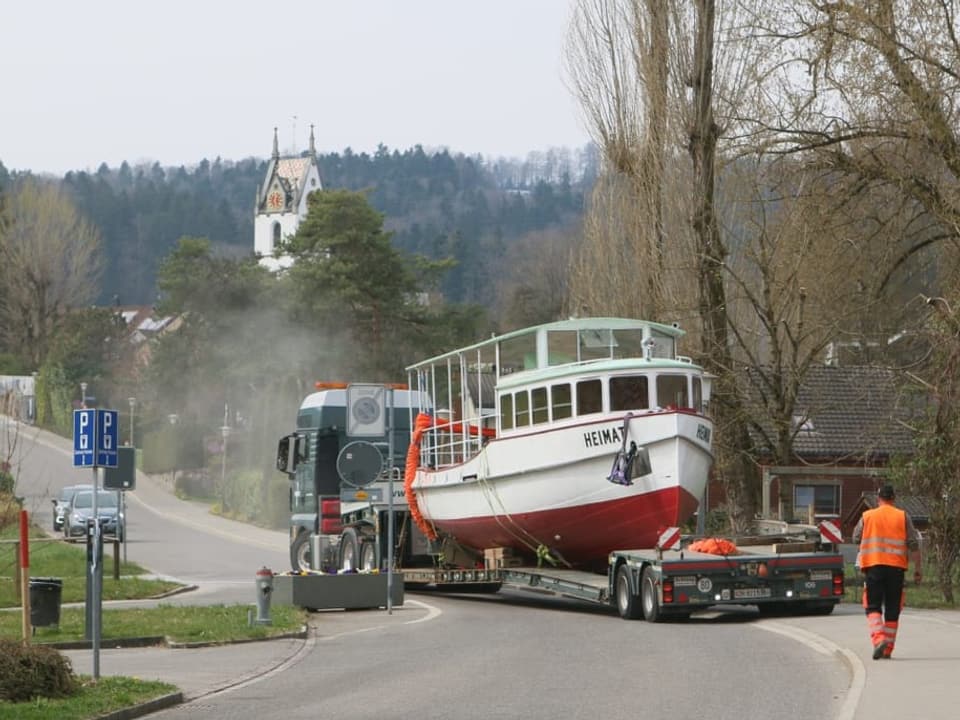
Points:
[830,532]
[669,538]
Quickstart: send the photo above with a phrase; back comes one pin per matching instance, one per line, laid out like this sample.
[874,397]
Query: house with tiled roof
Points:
[281,202]
[848,423]
[916,507]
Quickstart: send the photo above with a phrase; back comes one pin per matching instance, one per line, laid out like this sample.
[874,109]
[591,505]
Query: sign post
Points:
[95,446]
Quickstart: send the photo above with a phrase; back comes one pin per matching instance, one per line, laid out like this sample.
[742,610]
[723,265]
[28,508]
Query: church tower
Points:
[282,201]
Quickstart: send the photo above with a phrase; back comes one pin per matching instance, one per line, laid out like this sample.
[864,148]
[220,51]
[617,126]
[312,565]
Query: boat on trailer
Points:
[565,440]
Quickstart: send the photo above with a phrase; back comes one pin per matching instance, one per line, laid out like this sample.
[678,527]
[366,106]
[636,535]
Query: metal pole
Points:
[390,503]
[95,571]
[133,404]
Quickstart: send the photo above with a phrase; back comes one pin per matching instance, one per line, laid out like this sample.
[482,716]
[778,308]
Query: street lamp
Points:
[133,405]
[83,395]
[223,468]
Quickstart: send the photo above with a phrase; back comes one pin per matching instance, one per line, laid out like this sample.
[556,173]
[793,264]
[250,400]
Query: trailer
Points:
[779,575]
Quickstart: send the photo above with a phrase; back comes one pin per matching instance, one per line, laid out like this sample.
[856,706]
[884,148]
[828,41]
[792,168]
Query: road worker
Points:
[887,537]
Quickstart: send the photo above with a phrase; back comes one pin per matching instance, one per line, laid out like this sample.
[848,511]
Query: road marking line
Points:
[822,645]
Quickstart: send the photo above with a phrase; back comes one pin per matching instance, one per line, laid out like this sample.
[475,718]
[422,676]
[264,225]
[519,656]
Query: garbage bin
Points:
[45,601]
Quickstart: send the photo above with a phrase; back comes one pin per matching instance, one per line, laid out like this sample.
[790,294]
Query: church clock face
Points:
[274,200]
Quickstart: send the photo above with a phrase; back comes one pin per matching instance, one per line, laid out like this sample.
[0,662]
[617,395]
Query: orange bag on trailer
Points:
[714,546]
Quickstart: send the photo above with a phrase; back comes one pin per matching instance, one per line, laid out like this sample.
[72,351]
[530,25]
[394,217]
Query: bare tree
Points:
[776,264]
[934,470]
[867,92]
[617,59]
[532,280]
[49,262]
[646,73]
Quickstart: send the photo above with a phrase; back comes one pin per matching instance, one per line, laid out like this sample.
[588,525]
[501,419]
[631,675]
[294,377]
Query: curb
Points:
[145,708]
[161,640]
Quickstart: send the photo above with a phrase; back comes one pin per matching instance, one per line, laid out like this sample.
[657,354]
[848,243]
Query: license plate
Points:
[821,575]
[749,593]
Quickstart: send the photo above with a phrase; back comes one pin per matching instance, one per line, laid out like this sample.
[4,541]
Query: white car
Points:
[61,504]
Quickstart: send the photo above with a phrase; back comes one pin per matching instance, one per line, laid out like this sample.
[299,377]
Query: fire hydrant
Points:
[264,590]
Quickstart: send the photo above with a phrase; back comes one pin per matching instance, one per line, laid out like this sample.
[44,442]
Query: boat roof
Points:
[572,324]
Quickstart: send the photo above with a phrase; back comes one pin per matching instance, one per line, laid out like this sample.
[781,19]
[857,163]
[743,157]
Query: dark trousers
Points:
[884,591]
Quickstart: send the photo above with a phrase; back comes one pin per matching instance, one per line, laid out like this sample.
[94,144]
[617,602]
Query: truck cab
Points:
[333,514]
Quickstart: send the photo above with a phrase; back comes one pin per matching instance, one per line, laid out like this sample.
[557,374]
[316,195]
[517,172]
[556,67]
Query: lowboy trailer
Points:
[661,585]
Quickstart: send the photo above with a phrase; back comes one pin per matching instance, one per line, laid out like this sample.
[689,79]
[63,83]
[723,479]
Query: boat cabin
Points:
[557,373]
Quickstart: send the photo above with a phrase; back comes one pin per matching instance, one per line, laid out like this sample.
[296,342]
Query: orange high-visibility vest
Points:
[884,539]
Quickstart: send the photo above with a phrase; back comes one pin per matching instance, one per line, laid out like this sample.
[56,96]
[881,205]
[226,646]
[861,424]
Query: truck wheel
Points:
[649,597]
[300,553]
[368,555]
[628,604]
[349,550]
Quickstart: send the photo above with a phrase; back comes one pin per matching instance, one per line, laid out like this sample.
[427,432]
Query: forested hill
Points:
[437,204]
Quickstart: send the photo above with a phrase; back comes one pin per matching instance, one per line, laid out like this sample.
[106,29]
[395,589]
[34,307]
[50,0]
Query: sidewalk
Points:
[205,671]
[921,681]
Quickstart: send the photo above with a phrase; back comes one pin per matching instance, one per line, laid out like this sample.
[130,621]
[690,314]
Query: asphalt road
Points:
[512,655]
[477,659]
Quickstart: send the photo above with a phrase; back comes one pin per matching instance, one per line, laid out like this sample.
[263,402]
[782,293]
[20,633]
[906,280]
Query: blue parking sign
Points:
[84,437]
[107,434]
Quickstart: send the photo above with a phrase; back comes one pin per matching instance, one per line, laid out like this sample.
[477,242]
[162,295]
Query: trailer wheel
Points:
[300,553]
[349,550]
[628,604]
[649,597]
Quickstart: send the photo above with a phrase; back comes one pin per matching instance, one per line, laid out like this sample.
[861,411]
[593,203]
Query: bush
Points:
[9,510]
[30,671]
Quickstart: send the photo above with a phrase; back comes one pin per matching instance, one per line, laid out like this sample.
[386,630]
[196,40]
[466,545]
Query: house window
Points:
[276,235]
[822,499]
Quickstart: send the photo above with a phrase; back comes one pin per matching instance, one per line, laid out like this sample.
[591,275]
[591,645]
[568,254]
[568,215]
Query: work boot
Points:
[880,650]
[888,651]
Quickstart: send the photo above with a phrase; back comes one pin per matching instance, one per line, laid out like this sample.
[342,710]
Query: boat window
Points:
[596,344]
[672,391]
[561,347]
[628,343]
[697,395]
[541,411]
[518,353]
[589,397]
[629,393]
[506,411]
[664,346]
[521,414]
[561,402]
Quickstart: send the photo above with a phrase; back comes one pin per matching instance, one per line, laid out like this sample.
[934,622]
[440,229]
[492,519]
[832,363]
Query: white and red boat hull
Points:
[559,496]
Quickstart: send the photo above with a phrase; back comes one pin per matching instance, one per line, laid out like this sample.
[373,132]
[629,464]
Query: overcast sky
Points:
[177,81]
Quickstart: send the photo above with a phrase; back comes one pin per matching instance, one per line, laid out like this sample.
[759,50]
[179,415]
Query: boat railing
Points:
[449,442]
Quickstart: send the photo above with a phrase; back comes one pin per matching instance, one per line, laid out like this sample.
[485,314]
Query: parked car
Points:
[81,510]
[61,504]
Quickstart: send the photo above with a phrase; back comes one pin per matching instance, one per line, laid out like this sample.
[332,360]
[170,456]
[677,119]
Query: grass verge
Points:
[925,595]
[93,700]
[182,624]
[68,561]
